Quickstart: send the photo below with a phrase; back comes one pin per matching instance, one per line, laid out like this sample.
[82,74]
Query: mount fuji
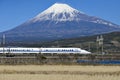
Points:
[60,21]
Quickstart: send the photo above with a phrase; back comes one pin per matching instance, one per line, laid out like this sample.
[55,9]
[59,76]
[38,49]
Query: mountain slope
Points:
[58,22]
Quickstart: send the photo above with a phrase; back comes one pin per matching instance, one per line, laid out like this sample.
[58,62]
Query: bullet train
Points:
[43,50]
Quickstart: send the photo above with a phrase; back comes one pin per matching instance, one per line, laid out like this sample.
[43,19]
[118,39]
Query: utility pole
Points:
[100,43]
[97,44]
[0,42]
[3,43]
[89,46]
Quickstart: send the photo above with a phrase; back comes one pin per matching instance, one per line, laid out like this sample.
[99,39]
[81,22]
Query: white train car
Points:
[43,50]
[19,50]
[64,50]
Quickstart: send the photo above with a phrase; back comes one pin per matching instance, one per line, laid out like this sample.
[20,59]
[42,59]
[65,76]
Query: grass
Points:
[59,72]
[57,77]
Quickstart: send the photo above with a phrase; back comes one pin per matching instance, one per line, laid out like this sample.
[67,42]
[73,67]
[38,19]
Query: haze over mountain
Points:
[59,21]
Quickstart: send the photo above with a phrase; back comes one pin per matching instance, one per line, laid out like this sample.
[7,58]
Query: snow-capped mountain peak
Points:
[59,12]
[60,8]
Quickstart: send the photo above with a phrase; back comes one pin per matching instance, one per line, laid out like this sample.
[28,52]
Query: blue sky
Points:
[16,12]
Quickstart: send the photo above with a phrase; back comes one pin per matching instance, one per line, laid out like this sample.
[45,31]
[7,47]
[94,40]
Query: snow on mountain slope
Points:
[63,12]
[59,12]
